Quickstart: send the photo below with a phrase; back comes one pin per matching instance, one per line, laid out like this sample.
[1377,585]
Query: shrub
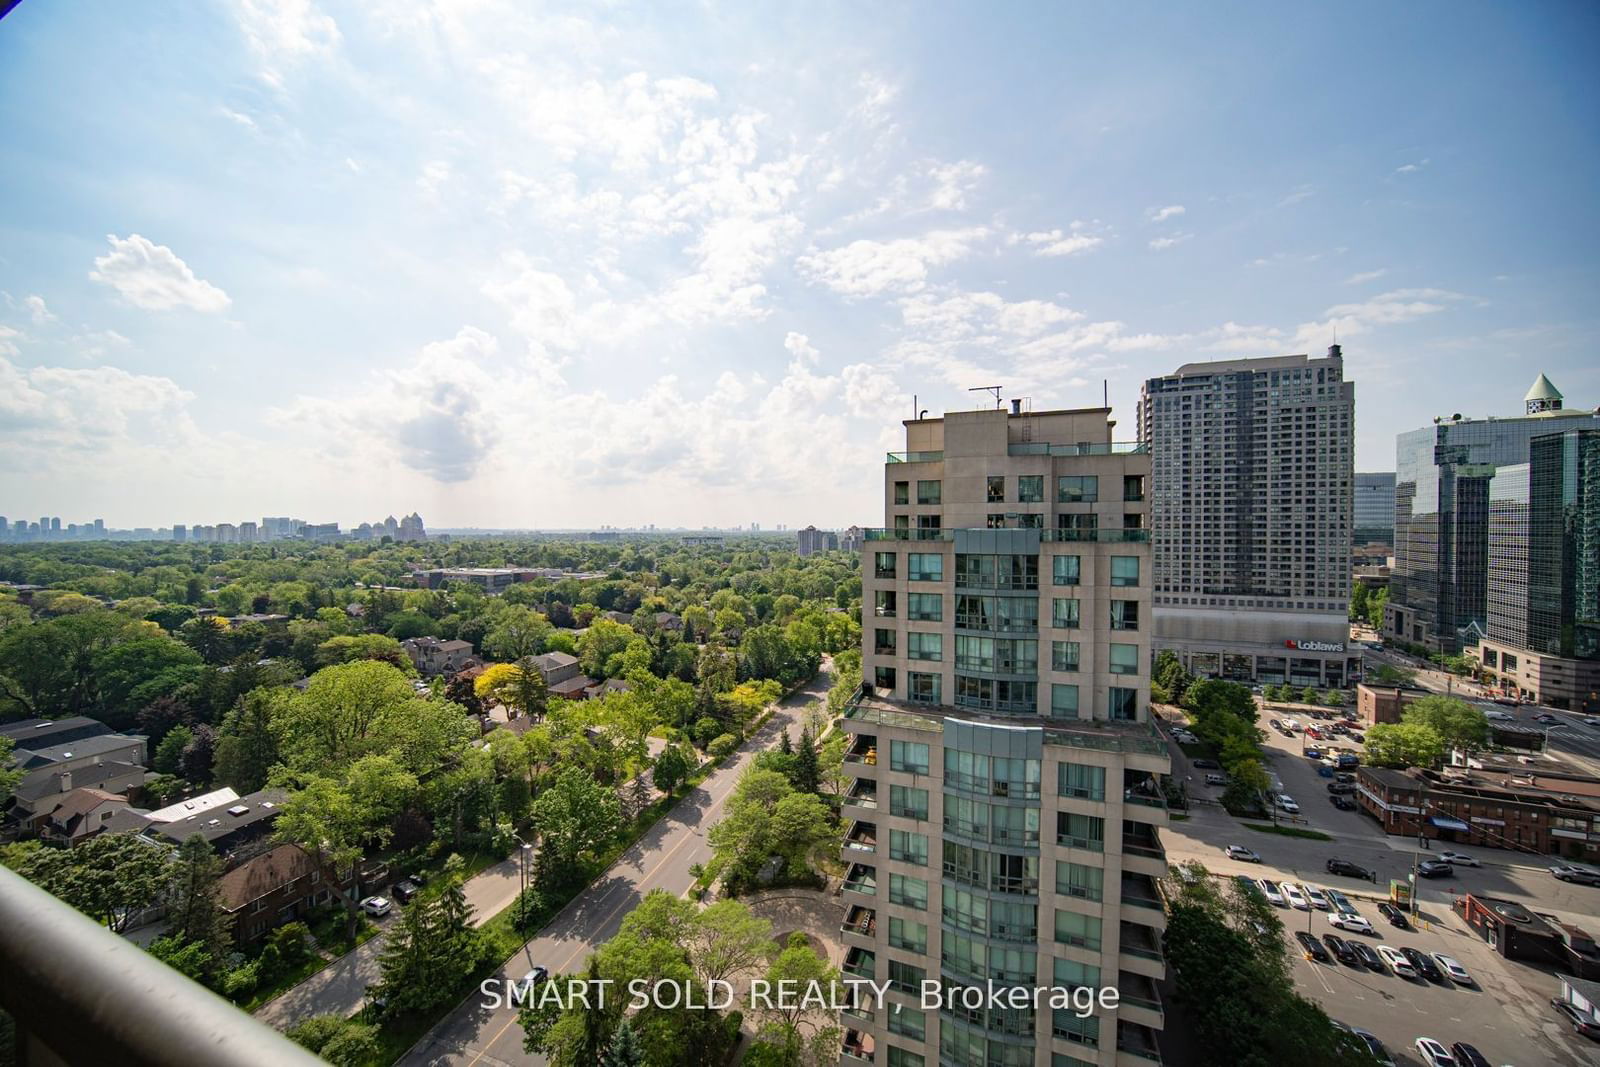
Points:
[722,747]
[241,981]
[706,730]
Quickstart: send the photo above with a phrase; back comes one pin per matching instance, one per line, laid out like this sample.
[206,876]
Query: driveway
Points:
[476,1034]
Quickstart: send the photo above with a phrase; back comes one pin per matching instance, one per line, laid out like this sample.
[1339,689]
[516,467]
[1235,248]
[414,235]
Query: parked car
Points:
[1239,852]
[1270,891]
[1357,736]
[1434,1054]
[1296,899]
[1452,967]
[1396,917]
[1340,788]
[1275,724]
[1341,949]
[1348,869]
[1468,1056]
[1286,803]
[376,906]
[1313,947]
[1425,966]
[1434,869]
[1396,962]
[1325,772]
[406,889]
[1207,764]
[1340,902]
[1580,1024]
[1342,803]
[1368,957]
[1576,874]
[1548,719]
[1316,897]
[1343,776]
[1216,779]
[1459,859]
[1375,1046]
[1353,923]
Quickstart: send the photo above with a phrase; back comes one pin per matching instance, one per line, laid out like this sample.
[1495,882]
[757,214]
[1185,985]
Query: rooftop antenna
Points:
[995,389]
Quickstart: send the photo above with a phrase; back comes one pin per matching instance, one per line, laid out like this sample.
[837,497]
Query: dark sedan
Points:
[1368,957]
[1424,965]
[1342,949]
[1434,869]
[1395,916]
[1313,947]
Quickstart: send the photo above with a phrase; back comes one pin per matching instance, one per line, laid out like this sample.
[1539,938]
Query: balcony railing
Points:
[879,533]
[1101,535]
[914,457]
[1086,448]
[80,994]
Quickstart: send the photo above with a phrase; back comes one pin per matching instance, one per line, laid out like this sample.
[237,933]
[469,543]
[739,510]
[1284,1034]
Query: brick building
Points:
[1548,813]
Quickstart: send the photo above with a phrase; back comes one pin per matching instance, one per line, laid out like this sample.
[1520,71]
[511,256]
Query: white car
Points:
[1270,891]
[1452,967]
[1296,899]
[1291,725]
[1314,895]
[1354,924]
[1239,852]
[1286,803]
[1397,963]
[1499,716]
[376,906]
[1434,1054]
[1459,859]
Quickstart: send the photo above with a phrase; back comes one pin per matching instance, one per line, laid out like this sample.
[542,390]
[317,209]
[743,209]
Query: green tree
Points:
[1247,781]
[247,747]
[766,817]
[194,900]
[362,708]
[518,632]
[170,750]
[1404,744]
[111,877]
[1458,724]
[625,1050]
[9,775]
[805,1034]
[807,770]
[190,958]
[602,640]
[323,819]
[574,816]
[672,768]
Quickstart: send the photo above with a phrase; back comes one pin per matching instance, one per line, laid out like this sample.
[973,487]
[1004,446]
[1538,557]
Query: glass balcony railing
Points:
[1085,448]
[881,533]
[1101,536]
[913,457]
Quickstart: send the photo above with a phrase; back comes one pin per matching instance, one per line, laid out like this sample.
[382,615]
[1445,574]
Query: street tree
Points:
[1404,744]
[1458,724]
[574,816]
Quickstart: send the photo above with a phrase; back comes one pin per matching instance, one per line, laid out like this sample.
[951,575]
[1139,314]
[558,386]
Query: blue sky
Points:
[513,265]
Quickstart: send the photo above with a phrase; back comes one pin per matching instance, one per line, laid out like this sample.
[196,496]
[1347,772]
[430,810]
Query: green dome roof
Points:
[1543,389]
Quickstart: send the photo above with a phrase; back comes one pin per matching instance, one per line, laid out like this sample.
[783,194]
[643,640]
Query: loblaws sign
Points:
[1314,646]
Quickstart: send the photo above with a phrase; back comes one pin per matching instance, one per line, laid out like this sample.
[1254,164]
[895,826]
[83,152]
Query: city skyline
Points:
[494,263]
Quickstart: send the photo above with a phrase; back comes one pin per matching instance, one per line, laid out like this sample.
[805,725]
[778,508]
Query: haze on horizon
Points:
[517,265]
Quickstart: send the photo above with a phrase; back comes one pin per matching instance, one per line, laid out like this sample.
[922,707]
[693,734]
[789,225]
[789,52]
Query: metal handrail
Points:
[88,996]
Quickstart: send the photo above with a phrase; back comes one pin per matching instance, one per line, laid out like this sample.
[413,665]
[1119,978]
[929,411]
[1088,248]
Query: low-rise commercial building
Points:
[1385,703]
[1545,812]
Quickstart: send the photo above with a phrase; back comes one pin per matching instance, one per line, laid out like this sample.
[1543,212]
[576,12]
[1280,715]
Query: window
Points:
[1015,777]
[883,564]
[908,803]
[1124,659]
[1080,831]
[1124,614]
[1124,570]
[1133,487]
[883,604]
[1082,780]
[1069,1026]
[1122,705]
[928,522]
[1070,974]
[995,521]
[908,847]
[974,653]
[899,1057]
[1013,826]
[927,646]
[902,492]
[1064,613]
[1063,701]
[909,935]
[1080,930]
[906,978]
[1030,489]
[1077,489]
[908,756]
[883,642]
[912,892]
[1064,655]
[1066,570]
[997,489]
[929,492]
[912,1024]
[925,607]
[883,678]
[927,567]
[1080,880]
[966,770]
[1078,527]
[922,688]
[1030,522]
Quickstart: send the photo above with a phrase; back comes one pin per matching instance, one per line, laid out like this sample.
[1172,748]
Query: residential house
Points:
[75,753]
[80,815]
[556,667]
[235,827]
[669,620]
[433,657]
[273,888]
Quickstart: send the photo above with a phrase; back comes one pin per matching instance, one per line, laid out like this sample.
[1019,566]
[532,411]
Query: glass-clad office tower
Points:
[1005,814]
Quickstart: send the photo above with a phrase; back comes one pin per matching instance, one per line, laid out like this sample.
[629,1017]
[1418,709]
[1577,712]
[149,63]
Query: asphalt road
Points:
[476,1035]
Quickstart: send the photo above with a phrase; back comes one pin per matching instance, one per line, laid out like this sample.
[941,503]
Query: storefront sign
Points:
[1314,646]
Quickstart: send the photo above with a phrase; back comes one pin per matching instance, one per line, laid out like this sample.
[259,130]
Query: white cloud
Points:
[283,33]
[434,174]
[1386,309]
[952,183]
[37,311]
[1161,244]
[1162,214]
[55,410]
[237,117]
[871,268]
[1080,237]
[1299,193]
[1412,168]
[800,347]
[151,276]
[1362,277]
[8,340]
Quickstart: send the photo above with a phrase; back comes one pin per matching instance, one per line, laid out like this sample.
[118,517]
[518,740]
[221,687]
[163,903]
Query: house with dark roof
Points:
[33,733]
[232,827]
[273,888]
[80,815]
[42,791]
[556,667]
[433,657]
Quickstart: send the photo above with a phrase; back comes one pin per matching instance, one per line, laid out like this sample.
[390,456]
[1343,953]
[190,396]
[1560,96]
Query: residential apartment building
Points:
[1252,485]
[1005,814]
[1373,511]
[1438,591]
[1542,640]
[811,540]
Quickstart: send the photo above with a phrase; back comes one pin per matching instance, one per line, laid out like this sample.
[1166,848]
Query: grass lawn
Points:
[1176,816]
[1287,831]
